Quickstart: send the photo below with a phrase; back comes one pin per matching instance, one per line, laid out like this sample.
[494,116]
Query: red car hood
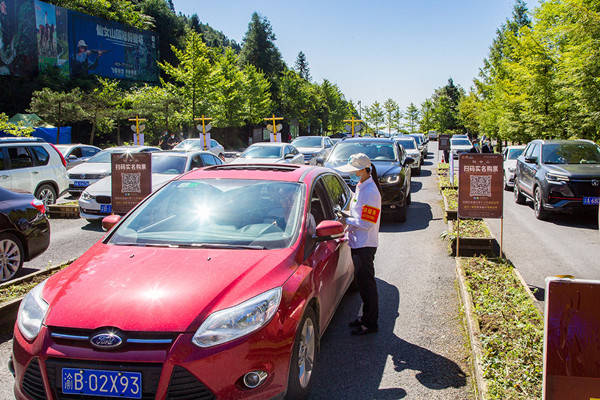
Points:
[159,289]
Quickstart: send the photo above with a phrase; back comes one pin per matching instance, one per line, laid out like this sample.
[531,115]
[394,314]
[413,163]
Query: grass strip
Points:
[443,166]
[12,292]
[451,196]
[471,228]
[511,330]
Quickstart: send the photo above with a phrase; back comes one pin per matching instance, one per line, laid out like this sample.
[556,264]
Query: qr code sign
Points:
[130,183]
[481,186]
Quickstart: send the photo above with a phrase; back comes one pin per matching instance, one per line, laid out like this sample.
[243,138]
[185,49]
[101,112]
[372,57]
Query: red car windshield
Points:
[216,213]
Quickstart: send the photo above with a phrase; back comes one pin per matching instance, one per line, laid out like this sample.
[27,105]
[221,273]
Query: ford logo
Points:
[106,340]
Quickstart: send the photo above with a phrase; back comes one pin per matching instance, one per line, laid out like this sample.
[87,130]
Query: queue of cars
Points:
[218,285]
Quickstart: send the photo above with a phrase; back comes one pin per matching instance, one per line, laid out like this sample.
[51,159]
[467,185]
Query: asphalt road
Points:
[563,245]
[418,353]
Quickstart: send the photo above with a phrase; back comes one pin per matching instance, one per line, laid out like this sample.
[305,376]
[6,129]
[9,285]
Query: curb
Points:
[473,332]
[9,310]
[472,245]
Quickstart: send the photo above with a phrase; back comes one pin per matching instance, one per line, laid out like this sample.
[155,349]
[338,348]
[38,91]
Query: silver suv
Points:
[34,166]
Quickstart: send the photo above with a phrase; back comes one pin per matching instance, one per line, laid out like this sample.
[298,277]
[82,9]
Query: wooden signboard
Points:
[131,180]
[480,185]
[571,337]
[444,142]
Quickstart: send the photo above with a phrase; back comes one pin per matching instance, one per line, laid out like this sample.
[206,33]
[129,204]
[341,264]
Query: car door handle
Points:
[35,172]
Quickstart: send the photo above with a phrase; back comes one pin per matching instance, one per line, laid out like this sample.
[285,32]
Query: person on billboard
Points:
[82,63]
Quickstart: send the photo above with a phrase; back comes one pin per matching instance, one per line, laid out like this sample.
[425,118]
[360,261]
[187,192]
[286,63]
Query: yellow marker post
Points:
[203,119]
[274,118]
[137,120]
[352,122]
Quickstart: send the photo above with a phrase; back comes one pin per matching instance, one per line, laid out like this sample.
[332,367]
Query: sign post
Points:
[481,188]
[444,143]
[571,337]
[138,128]
[275,127]
[352,122]
[205,129]
[131,180]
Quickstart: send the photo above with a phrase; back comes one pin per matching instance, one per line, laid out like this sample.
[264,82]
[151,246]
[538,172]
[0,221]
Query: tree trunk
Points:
[118,133]
[93,132]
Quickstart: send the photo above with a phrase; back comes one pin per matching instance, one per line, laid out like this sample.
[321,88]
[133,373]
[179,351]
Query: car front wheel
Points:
[11,256]
[304,356]
[538,205]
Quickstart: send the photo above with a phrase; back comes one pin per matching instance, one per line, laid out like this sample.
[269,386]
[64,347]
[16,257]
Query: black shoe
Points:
[363,330]
[356,323]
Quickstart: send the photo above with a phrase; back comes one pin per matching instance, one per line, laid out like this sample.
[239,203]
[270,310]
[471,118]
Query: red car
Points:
[217,286]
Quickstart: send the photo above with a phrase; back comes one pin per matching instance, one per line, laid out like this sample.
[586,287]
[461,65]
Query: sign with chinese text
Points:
[480,185]
[444,142]
[131,180]
[571,337]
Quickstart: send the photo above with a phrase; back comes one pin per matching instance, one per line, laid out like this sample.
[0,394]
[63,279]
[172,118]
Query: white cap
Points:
[356,163]
[82,43]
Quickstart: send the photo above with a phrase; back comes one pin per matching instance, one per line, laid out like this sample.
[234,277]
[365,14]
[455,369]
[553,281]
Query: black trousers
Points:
[364,273]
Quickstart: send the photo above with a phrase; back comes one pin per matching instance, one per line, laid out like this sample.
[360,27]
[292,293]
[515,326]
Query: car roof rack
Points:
[254,167]
[20,139]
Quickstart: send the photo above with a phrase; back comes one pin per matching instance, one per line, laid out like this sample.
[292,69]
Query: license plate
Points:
[590,201]
[81,183]
[95,382]
[105,208]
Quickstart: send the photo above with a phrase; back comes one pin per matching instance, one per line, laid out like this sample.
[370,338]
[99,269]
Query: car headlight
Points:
[86,196]
[390,179]
[32,312]
[556,177]
[232,323]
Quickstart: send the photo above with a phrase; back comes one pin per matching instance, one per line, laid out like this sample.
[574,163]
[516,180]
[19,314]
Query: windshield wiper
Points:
[223,246]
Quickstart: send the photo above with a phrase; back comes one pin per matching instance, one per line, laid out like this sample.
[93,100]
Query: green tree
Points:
[412,117]
[57,108]
[302,67]
[427,121]
[229,100]
[374,115]
[258,47]
[123,11]
[390,107]
[13,129]
[192,76]
[256,91]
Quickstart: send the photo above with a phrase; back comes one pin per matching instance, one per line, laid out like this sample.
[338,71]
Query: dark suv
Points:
[558,175]
[391,164]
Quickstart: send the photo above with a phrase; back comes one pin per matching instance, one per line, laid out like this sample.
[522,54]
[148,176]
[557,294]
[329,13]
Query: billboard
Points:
[51,29]
[571,337]
[109,49]
[480,185]
[18,55]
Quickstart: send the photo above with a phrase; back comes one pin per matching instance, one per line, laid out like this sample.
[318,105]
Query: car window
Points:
[575,152]
[76,152]
[19,157]
[513,154]
[213,212]
[213,143]
[319,207]
[378,151]
[536,151]
[258,151]
[528,150]
[208,159]
[41,154]
[196,162]
[218,161]
[2,164]
[172,165]
[89,151]
[336,190]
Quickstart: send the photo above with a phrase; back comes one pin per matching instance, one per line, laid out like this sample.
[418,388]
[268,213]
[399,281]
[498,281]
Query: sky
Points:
[373,50]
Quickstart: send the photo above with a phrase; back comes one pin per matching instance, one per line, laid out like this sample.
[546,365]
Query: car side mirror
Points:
[531,160]
[408,161]
[289,156]
[110,221]
[328,230]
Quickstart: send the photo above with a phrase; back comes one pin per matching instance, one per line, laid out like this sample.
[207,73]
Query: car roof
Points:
[275,144]
[268,172]
[560,141]
[515,147]
[180,153]
[369,139]
[28,139]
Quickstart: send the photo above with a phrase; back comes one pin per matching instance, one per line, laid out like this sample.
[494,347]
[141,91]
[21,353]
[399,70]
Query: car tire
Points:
[11,256]
[305,344]
[46,193]
[506,187]
[538,204]
[519,198]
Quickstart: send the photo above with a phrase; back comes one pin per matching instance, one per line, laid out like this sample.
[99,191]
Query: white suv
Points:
[34,166]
